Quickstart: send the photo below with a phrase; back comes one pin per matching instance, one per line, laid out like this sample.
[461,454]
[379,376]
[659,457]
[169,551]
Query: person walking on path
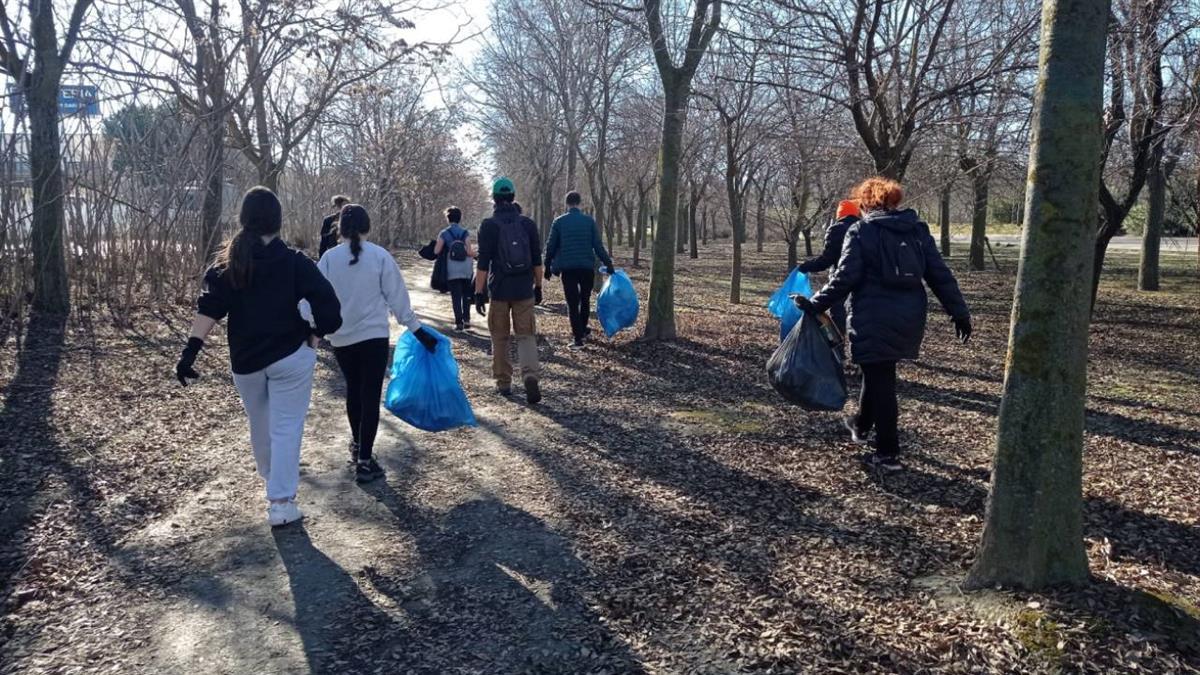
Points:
[329,226]
[258,282]
[369,285]
[455,241]
[571,252]
[509,269]
[848,213]
[887,260]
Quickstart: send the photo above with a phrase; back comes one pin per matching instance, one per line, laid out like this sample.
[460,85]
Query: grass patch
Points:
[1040,635]
[747,418]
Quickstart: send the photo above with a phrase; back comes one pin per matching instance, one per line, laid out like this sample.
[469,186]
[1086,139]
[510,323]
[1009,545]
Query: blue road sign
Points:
[73,100]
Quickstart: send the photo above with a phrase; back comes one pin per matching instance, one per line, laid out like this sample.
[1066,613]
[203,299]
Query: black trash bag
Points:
[806,370]
[426,251]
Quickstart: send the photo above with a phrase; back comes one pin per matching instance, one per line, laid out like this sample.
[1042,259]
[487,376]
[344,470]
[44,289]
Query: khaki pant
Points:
[506,319]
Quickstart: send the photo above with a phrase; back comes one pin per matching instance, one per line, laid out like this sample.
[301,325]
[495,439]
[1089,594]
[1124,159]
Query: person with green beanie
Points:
[509,272]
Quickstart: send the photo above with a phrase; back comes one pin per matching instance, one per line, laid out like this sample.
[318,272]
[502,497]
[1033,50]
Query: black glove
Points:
[184,370]
[537,295]
[549,271]
[481,300]
[804,304]
[802,268]
[426,339]
[962,329]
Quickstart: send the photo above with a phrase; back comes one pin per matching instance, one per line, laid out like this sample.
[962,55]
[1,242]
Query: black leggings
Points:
[461,296]
[363,365]
[877,406]
[577,286]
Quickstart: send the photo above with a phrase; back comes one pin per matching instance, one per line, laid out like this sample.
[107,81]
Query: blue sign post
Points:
[81,100]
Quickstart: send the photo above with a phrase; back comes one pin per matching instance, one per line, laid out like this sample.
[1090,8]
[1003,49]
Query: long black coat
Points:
[887,323]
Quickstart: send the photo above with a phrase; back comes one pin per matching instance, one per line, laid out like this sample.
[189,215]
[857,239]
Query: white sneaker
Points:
[282,513]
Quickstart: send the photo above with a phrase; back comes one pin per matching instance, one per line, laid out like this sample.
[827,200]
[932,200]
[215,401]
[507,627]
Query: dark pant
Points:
[577,286]
[461,295]
[363,365]
[877,405]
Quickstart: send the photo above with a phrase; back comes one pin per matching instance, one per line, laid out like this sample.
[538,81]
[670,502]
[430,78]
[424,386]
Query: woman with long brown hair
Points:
[258,282]
[887,260]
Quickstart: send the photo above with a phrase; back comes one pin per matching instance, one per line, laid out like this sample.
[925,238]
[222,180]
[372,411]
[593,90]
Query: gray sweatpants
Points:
[276,400]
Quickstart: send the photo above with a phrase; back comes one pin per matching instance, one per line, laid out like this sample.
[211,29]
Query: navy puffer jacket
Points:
[887,323]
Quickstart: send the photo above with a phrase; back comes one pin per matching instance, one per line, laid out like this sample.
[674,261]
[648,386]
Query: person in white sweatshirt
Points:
[369,285]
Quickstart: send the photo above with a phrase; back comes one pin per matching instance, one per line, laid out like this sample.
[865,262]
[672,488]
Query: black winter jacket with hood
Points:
[835,234]
[887,323]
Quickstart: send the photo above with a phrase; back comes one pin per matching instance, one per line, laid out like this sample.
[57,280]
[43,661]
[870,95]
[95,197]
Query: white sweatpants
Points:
[276,400]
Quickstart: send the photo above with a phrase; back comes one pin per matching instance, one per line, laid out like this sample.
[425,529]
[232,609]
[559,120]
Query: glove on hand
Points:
[962,329]
[804,304]
[481,300]
[184,370]
[426,339]
[537,295]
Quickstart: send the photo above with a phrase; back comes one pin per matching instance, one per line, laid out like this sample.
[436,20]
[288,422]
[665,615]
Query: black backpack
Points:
[901,257]
[458,248]
[513,250]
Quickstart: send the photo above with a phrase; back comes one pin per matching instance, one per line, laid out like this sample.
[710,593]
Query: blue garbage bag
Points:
[783,307]
[424,390]
[617,306]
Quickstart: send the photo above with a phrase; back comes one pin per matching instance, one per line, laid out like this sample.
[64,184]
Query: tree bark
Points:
[793,254]
[979,215]
[51,288]
[1152,235]
[1033,530]
[944,220]
[660,315]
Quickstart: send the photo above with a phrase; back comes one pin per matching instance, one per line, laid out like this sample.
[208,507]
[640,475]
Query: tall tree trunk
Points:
[51,288]
[944,220]
[793,254]
[693,250]
[1033,532]
[808,249]
[681,232]
[704,225]
[737,214]
[639,237]
[760,223]
[1152,235]
[979,216]
[660,315]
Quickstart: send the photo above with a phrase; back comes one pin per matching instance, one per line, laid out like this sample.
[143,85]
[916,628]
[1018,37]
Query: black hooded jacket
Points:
[835,234]
[264,319]
[887,323]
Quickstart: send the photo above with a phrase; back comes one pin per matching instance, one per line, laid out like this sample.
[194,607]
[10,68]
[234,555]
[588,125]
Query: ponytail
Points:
[261,215]
[352,224]
[237,257]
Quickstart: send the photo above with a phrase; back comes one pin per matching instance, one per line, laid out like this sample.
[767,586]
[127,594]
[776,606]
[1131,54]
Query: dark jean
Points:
[877,406]
[461,296]
[363,364]
[577,287]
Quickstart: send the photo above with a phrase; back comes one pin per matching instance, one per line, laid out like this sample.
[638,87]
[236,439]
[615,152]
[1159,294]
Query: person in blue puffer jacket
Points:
[571,252]
[887,260]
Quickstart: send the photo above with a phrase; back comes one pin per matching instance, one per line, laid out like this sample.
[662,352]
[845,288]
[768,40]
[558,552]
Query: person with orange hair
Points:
[847,214]
[887,260]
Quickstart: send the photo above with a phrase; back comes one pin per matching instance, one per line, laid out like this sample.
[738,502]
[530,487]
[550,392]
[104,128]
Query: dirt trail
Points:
[450,565]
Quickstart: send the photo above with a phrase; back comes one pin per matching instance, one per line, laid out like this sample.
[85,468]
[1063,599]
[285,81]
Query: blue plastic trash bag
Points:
[424,390]
[783,307]
[617,306]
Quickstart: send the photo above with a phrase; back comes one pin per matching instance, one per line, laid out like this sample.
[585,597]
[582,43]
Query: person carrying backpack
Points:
[258,282]
[887,260]
[571,251]
[329,226]
[455,242]
[369,286]
[509,269]
[848,213]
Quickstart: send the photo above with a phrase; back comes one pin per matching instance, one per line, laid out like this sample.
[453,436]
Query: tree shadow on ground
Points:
[498,591]
[1128,429]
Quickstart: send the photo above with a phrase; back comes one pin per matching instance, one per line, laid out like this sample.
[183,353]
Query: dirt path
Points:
[453,558]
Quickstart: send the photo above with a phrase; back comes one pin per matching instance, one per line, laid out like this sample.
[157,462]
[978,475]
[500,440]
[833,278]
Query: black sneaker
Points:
[367,470]
[353,454]
[885,463]
[856,435]
[533,392]
[577,344]
[458,327]
[504,391]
